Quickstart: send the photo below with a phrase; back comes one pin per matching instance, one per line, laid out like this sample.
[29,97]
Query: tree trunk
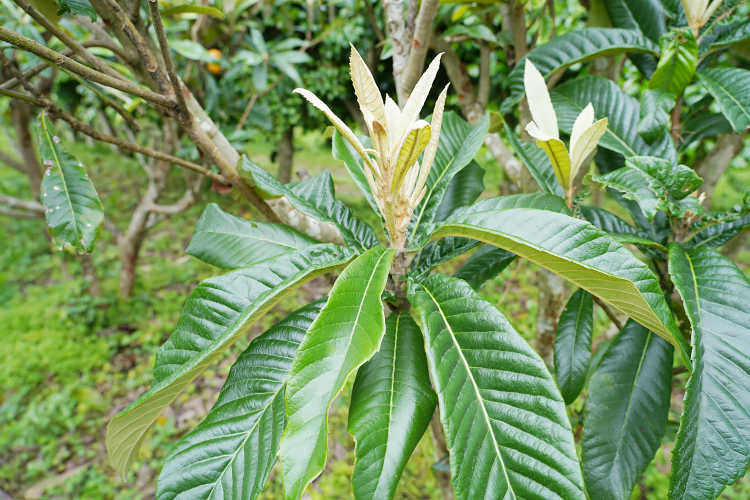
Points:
[550,302]
[89,275]
[21,112]
[717,161]
[286,155]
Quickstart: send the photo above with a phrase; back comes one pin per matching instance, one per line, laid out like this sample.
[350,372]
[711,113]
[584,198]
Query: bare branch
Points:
[174,80]
[12,162]
[419,44]
[68,40]
[483,93]
[373,21]
[394,13]
[58,59]
[141,46]
[20,215]
[610,314]
[29,205]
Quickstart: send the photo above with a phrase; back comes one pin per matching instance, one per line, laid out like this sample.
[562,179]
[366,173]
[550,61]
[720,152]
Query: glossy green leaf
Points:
[702,126]
[626,412]
[712,449]
[731,89]
[192,50]
[655,107]
[572,48]
[655,184]
[642,16]
[76,7]
[72,208]
[573,344]
[717,235]
[537,163]
[354,164]
[392,405]
[484,265]
[442,251]
[621,231]
[577,251]
[229,242]
[459,143]
[739,33]
[505,423]
[357,234]
[677,63]
[464,189]
[218,311]
[347,333]
[230,454]
[624,111]
[193,9]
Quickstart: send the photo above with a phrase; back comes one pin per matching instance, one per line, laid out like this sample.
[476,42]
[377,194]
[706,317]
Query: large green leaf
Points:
[731,89]
[537,162]
[573,344]
[357,234]
[230,454]
[580,253]
[446,249]
[737,34]
[677,63]
[229,242]
[464,189]
[218,311]
[347,333]
[626,412]
[642,16]
[483,265]
[572,48]
[392,405]
[623,232]
[655,184]
[701,126]
[717,235]
[72,208]
[505,423]
[459,143]
[712,449]
[655,107]
[76,7]
[609,100]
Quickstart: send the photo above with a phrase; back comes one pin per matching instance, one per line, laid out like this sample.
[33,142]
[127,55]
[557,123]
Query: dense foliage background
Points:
[76,347]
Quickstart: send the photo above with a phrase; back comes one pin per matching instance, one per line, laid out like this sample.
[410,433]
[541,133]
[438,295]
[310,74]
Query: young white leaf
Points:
[556,152]
[392,119]
[584,120]
[338,123]
[368,94]
[540,103]
[418,96]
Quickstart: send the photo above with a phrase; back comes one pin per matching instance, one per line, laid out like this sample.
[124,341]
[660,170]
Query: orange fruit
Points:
[214,68]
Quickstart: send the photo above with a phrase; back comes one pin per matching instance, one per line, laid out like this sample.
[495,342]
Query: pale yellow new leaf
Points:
[539,100]
[556,152]
[584,145]
[368,94]
[416,138]
[583,122]
[392,120]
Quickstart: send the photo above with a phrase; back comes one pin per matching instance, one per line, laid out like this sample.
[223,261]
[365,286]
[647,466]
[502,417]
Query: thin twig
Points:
[141,46]
[50,55]
[68,40]
[20,215]
[12,162]
[608,311]
[153,6]
[29,205]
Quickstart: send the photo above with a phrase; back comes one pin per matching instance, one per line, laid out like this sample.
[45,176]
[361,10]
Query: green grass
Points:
[69,362]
